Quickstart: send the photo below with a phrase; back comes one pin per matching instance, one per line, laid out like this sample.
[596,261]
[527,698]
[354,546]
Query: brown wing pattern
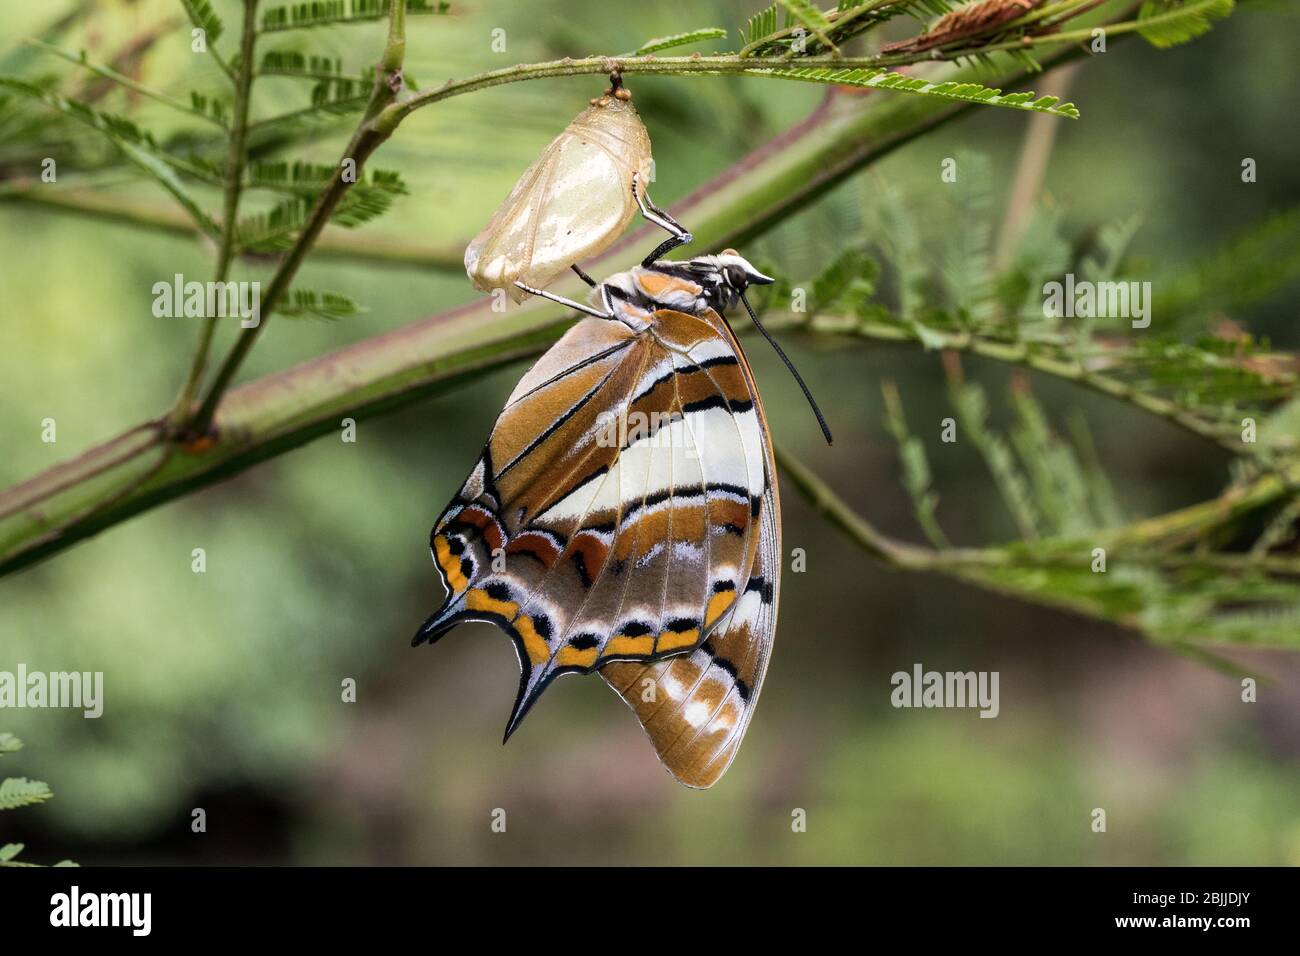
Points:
[697,706]
[618,509]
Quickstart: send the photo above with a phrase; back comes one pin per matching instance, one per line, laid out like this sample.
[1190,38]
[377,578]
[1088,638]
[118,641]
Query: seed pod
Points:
[571,203]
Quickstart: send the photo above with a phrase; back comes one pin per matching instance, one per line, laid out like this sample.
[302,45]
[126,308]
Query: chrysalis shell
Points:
[571,203]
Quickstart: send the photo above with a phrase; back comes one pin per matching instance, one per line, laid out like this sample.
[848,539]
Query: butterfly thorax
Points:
[694,286]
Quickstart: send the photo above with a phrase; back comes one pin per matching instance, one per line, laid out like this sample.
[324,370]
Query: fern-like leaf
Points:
[1252,267]
[761,25]
[273,231]
[9,744]
[301,178]
[1166,23]
[968,259]
[901,243]
[328,102]
[680,39]
[309,304]
[972,408]
[320,13]
[883,79]
[203,16]
[916,467]
[1057,478]
[18,792]
[765,35]
[332,84]
[211,107]
[812,18]
[136,144]
[851,268]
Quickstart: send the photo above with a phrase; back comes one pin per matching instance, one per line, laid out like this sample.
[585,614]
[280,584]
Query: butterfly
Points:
[624,516]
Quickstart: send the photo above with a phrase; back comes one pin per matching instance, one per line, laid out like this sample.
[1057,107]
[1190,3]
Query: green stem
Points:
[122,79]
[1028,356]
[1139,545]
[649,65]
[894,553]
[334,243]
[366,139]
[230,216]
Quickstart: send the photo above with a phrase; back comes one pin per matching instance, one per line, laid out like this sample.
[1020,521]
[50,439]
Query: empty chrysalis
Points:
[571,203]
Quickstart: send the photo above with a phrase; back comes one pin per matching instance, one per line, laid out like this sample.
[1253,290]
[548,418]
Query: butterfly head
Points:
[725,277]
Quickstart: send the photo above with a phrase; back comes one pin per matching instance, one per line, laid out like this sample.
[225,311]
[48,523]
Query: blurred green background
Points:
[223,688]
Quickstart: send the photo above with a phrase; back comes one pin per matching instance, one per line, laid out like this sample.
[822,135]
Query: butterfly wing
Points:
[696,707]
[614,513]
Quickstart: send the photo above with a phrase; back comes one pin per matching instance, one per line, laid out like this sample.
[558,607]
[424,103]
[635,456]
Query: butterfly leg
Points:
[583,276]
[652,213]
[563,301]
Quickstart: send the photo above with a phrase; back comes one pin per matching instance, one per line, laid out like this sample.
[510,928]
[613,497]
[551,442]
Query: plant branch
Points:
[1140,549]
[122,79]
[366,139]
[896,554]
[650,65]
[1032,356]
[334,243]
[230,216]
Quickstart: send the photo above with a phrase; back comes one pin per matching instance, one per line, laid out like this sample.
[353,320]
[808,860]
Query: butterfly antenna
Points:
[821,419]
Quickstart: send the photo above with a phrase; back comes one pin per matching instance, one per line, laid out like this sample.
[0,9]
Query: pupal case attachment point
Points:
[570,204]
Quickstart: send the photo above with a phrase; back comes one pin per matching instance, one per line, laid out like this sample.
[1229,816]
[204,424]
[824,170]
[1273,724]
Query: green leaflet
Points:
[811,17]
[680,39]
[136,144]
[1166,23]
[972,408]
[205,18]
[761,25]
[199,105]
[18,792]
[328,103]
[916,467]
[301,177]
[967,270]
[835,283]
[883,79]
[1259,263]
[309,304]
[273,230]
[319,13]
[764,34]
[166,176]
